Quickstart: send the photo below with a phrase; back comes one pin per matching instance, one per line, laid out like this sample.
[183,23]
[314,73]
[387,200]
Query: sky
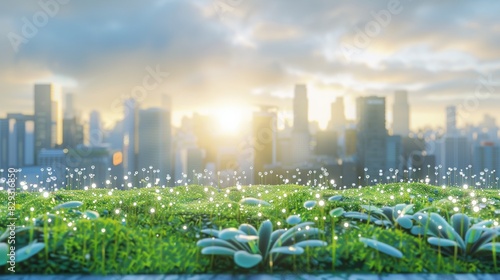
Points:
[235,55]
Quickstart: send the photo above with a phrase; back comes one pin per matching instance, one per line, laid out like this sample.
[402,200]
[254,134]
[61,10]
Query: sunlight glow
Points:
[229,120]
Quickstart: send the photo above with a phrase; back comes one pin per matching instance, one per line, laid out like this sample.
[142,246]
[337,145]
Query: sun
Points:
[228,120]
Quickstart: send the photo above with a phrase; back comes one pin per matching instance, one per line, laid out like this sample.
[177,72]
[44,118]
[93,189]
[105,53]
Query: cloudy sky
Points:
[244,53]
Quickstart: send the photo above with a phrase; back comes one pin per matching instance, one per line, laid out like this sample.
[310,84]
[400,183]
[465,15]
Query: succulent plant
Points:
[21,253]
[32,246]
[459,234]
[385,216]
[382,247]
[250,247]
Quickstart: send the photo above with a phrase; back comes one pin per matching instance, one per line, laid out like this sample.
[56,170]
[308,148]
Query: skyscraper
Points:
[401,114]
[130,136]
[451,120]
[372,135]
[20,140]
[300,109]
[72,128]
[394,152]
[96,133]
[456,152]
[69,106]
[337,119]
[264,131]
[300,141]
[48,117]
[326,143]
[4,143]
[155,141]
[486,156]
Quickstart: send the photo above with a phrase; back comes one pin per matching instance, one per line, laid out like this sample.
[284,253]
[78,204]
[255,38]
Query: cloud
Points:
[219,50]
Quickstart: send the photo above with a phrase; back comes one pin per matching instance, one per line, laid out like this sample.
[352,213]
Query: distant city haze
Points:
[222,54]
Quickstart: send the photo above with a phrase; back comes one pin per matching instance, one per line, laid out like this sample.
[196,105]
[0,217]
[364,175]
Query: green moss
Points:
[155,230]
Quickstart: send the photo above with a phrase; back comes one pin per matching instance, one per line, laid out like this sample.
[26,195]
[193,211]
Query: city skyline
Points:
[144,142]
[227,60]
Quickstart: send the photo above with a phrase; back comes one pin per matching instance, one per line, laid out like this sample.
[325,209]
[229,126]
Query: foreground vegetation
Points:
[383,228]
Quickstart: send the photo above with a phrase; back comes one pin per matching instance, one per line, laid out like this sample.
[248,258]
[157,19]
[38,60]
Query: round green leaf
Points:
[288,250]
[405,222]
[335,198]
[293,220]
[311,243]
[442,242]
[207,242]
[246,238]
[216,250]
[4,250]
[254,201]
[248,229]
[70,204]
[230,233]
[310,204]
[382,247]
[92,215]
[337,212]
[247,260]
[28,251]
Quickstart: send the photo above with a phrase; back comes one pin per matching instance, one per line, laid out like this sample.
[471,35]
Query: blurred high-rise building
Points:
[264,131]
[486,156]
[4,143]
[411,146]
[48,117]
[451,120]
[394,158]
[300,109]
[69,106]
[300,141]
[96,133]
[337,115]
[401,114]
[130,136]
[21,140]
[97,161]
[372,135]
[350,142]
[155,141]
[72,127]
[456,152]
[56,161]
[422,167]
[327,143]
